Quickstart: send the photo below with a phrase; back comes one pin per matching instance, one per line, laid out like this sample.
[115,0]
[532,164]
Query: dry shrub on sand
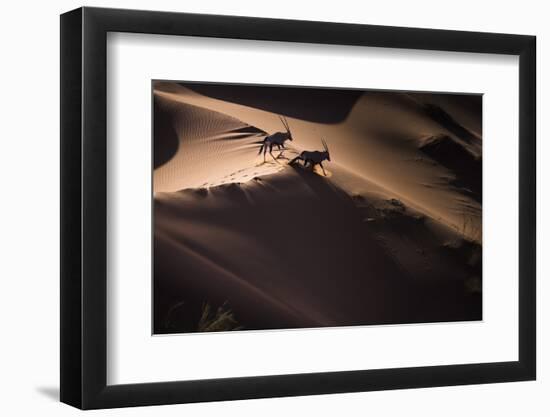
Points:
[221,320]
[182,318]
[470,229]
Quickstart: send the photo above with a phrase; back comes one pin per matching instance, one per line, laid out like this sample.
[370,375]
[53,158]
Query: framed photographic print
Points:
[257,208]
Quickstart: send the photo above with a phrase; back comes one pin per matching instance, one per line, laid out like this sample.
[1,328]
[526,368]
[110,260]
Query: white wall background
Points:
[29,237]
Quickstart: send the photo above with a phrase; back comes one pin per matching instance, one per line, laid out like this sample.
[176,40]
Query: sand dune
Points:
[293,249]
[292,102]
[204,139]
[380,140]
[391,235]
[451,154]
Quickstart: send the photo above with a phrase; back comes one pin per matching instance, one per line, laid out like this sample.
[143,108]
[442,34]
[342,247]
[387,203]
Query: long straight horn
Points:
[286,124]
[324,145]
[282,121]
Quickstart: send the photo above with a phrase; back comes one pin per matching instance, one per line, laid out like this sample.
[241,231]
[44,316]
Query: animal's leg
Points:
[294,160]
[323,168]
[265,150]
[281,149]
[271,153]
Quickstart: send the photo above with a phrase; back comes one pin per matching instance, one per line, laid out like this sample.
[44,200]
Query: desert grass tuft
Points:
[221,320]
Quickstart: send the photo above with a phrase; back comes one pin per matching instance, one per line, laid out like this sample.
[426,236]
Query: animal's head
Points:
[287,127]
[327,153]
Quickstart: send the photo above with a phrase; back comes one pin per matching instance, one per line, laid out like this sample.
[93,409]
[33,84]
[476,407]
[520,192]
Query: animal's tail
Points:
[261,147]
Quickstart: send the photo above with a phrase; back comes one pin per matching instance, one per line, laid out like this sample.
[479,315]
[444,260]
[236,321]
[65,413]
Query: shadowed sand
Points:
[293,249]
[391,235]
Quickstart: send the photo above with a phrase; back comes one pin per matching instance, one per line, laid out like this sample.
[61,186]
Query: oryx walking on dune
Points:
[277,139]
[314,157]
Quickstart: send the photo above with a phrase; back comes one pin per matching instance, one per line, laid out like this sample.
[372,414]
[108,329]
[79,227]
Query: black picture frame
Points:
[84,223]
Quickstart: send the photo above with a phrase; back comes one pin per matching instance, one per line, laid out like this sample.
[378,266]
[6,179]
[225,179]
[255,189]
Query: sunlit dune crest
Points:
[368,143]
[387,231]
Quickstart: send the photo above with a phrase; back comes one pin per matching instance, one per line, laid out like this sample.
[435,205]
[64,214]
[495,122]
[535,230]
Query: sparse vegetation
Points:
[221,320]
[397,203]
[181,317]
[470,229]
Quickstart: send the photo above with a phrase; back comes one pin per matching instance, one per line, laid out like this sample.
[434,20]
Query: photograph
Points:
[293,207]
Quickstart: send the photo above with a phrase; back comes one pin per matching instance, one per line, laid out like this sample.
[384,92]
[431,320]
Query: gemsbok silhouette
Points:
[277,139]
[314,157]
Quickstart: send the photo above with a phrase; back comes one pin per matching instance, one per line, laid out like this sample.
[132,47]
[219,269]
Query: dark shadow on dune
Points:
[166,139]
[454,156]
[294,251]
[314,105]
[440,116]
[241,133]
[249,131]
[472,102]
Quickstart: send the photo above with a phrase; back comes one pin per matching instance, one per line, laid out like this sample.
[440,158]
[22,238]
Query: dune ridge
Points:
[368,142]
[323,258]
[392,233]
